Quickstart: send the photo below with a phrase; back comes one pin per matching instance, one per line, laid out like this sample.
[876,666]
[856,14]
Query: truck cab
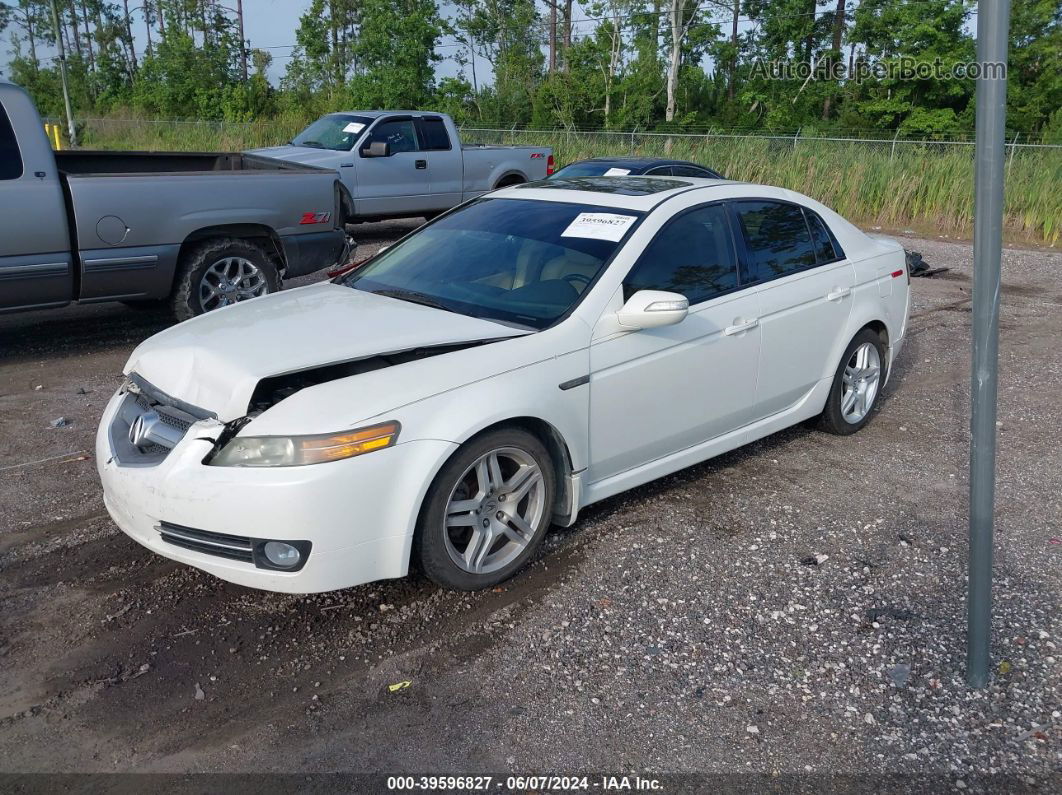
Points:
[407,163]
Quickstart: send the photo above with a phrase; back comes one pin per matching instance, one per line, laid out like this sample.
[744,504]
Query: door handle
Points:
[421,163]
[838,294]
[741,325]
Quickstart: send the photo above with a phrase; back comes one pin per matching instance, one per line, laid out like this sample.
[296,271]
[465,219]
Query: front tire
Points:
[220,272]
[856,385]
[487,511]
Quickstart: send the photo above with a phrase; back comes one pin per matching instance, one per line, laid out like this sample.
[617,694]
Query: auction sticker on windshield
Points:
[354,127]
[617,172]
[599,226]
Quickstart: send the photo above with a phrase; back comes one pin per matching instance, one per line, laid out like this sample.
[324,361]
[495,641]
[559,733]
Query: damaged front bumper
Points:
[356,516]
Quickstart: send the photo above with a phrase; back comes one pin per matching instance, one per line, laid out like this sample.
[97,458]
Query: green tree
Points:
[396,54]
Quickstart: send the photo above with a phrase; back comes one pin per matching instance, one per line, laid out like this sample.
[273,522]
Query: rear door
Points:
[35,259]
[396,184]
[442,155]
[805,298]
[659,391]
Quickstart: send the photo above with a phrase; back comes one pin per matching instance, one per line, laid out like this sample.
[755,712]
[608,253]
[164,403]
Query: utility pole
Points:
[243,41]
[71,132]
[993,22]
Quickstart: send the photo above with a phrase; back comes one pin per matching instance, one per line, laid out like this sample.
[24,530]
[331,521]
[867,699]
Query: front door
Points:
[658,391]
[397,184]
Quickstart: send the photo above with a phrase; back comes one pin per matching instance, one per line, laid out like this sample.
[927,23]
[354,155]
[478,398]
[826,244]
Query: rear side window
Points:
[691,171]
[777,238]
[400,135]
[824,247]
[659,171]
[693,255]
[10,159]
[435,136]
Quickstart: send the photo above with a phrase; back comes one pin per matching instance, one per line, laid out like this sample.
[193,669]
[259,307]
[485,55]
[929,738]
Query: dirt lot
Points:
[678,628]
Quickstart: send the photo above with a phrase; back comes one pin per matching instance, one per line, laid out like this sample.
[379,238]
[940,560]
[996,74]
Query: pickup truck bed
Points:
[134,226]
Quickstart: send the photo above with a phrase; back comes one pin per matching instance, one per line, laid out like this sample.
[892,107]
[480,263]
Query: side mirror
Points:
[377,149]
[653,309]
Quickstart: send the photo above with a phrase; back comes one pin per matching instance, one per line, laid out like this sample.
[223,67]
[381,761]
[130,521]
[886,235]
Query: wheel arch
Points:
[559,452]
[509,178]
[879,327]
[256,232]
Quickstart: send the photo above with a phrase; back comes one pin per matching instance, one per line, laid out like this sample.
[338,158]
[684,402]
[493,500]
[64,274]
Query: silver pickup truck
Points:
[402,163]
[197,230]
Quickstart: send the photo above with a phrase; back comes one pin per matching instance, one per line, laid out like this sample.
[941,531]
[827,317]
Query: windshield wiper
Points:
[413,297]
[311,144]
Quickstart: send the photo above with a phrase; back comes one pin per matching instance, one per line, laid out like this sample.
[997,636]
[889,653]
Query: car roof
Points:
[375,114]
[631,193]
[639,161]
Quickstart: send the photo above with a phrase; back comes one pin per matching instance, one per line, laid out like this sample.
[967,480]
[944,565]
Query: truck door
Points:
[35,260]
[396,183]
[442,152]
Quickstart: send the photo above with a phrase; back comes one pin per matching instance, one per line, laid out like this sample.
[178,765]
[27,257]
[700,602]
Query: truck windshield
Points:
[338,131]
[516,261]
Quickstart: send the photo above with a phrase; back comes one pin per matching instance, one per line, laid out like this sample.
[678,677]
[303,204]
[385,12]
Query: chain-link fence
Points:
[874,178]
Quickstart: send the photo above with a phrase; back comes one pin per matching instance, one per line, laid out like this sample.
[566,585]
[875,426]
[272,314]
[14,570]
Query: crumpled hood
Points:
[215,361]
[306,155]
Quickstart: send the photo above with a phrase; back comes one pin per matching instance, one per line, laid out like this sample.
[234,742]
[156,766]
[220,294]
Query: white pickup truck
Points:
[401,163]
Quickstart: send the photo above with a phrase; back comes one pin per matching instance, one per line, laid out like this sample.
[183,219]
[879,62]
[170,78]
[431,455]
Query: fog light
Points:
[281,555]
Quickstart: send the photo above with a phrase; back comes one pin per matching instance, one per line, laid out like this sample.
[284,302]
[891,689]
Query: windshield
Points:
[595,168]
[339,132]
[516,261]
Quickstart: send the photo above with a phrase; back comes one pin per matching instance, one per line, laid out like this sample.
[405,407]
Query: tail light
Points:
[549,166]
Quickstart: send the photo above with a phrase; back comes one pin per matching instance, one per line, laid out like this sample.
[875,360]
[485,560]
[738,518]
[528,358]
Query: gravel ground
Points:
[794,607]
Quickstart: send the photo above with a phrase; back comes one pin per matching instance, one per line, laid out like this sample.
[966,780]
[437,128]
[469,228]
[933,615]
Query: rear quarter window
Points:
[10,158]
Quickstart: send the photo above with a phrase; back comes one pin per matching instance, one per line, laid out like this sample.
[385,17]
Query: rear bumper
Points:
[313,251]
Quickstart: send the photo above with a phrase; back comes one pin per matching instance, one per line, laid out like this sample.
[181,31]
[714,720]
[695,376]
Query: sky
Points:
[271,24]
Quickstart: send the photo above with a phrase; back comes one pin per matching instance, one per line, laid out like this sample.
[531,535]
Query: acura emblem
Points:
[149,429]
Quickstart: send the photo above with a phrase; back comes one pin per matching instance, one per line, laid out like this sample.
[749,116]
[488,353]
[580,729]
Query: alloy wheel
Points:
[859,384]
[230,280]
[494,510]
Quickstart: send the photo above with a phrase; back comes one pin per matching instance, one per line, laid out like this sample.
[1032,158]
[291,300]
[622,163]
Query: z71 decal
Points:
[315,218]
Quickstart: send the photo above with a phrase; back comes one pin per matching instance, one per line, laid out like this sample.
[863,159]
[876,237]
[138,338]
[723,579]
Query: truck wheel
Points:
[220,272]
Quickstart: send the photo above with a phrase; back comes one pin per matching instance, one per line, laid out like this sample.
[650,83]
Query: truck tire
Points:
[222,271]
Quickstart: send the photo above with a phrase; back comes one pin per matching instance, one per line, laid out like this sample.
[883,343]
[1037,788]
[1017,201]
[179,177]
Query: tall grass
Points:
[927,187]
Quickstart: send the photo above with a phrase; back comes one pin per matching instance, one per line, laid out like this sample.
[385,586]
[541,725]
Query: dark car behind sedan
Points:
[641,166]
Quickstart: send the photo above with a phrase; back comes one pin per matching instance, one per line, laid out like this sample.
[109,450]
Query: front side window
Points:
[435,136]
[516,261]
[400,136]
[338,132]
[693,255]
[777,238]
[10,159]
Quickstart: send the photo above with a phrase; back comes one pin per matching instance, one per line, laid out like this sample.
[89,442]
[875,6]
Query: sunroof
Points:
[625,186]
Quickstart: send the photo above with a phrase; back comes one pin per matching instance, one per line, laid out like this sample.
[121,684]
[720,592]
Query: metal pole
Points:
[993,20]
[62,74]
[243,41]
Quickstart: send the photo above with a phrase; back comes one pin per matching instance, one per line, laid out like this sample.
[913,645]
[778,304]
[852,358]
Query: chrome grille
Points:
[142,405]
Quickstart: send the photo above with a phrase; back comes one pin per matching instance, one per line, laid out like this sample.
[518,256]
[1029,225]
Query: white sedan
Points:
[519,358]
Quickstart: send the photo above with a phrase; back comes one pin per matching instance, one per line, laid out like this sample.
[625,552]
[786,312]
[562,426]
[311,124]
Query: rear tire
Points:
[856,385]
[487,511]
[220,272]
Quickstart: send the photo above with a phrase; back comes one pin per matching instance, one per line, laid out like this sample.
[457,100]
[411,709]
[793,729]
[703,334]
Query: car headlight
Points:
[297,451]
